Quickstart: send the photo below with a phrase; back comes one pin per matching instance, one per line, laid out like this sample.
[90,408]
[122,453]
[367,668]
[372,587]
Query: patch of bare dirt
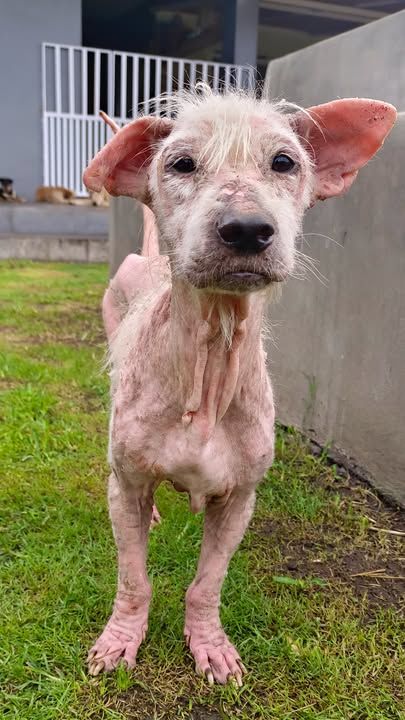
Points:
[34,271]
[8,384]
[371,571]
[150,706]
[203,714]
[348,468]
[371,561]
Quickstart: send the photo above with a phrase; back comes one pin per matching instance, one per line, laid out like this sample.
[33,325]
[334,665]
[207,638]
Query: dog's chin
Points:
[240,282]
[236,282]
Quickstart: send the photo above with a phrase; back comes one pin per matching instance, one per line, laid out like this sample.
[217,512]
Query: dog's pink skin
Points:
[219,465]
[191,401]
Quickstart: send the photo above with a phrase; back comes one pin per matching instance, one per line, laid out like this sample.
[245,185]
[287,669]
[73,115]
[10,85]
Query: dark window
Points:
[185,29]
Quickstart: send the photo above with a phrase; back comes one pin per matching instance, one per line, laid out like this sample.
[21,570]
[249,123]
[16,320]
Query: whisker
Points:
[306,262]
[327,237]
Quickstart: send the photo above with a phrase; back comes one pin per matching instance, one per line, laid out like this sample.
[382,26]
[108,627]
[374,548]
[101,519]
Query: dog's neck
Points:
[215,343]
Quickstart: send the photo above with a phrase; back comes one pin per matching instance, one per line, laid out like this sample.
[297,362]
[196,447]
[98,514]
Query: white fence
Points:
[78,82]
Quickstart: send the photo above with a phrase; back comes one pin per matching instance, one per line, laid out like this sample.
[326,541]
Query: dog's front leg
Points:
[130,512]
[225,524]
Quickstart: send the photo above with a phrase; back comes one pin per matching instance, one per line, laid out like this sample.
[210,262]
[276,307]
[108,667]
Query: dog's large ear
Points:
[122,164]
[341,136]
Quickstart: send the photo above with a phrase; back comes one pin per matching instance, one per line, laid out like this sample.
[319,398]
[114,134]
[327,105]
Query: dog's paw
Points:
[115,645]
[215,657]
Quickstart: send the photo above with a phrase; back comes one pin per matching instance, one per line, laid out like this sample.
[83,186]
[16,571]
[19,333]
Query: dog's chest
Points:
[151,444]
[162,429]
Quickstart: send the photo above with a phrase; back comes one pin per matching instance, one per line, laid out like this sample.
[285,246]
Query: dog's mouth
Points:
[225,272]
[235,280]
[242,281]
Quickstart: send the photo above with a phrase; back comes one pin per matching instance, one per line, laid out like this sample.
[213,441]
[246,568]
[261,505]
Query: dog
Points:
[7,192]
[228,179]
[60,195]
[56,194]
[99,199]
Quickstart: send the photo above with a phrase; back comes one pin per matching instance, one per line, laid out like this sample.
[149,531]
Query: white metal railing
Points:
[78,82]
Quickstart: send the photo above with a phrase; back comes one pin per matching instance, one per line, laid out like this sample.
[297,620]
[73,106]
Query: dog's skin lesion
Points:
[227,182]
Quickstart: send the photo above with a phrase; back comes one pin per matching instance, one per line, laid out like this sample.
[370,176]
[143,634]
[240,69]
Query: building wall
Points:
[24,26]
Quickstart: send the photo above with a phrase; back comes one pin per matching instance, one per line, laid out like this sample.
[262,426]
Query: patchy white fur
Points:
[228,115]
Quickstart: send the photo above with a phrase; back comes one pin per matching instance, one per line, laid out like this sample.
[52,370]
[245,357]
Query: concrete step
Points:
[54,248]
[46,219]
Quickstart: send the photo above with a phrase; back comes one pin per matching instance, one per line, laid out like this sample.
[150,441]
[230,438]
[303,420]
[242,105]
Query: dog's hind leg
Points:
[135,275]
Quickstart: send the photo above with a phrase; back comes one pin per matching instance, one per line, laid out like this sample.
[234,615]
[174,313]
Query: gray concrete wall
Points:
[246,24]
[49,219]
[338,365]
[126,230]
[339,362]
[53,232]
[366,62]
[24,26]
[54,248]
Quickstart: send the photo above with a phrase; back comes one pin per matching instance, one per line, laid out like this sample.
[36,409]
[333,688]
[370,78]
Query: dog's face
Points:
[229,187]
[230,178]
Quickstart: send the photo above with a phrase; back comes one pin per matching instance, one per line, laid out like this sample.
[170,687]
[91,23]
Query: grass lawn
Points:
[321,640]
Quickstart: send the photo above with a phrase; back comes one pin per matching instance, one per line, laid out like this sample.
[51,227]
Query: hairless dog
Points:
[228,180]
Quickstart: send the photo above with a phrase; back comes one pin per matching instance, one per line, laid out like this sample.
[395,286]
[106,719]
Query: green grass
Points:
[316,645]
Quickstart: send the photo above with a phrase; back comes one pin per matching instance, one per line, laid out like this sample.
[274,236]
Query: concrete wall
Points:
[366,62]
[53,232]
[338,365]
[126,230]
[24,26]
[54,248]
[246,30]
[49,219]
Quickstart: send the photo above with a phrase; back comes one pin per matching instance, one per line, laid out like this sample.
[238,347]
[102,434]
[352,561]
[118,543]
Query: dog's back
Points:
[138,277]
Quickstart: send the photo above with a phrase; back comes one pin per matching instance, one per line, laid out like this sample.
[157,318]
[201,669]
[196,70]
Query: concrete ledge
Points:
[47,219]
[54,248]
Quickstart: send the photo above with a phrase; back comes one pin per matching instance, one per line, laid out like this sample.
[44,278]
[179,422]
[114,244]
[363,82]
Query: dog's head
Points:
[229,179]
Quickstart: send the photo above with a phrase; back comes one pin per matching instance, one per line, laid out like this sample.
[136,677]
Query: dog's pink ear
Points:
[341,137]
[122,165]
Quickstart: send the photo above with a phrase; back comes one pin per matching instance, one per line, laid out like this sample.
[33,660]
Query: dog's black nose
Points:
[247,234]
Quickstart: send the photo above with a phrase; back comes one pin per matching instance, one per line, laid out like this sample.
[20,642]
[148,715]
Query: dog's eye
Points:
[282,163]
[184,165]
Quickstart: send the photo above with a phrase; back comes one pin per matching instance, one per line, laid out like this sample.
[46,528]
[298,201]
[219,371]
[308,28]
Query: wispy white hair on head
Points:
[231,138]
